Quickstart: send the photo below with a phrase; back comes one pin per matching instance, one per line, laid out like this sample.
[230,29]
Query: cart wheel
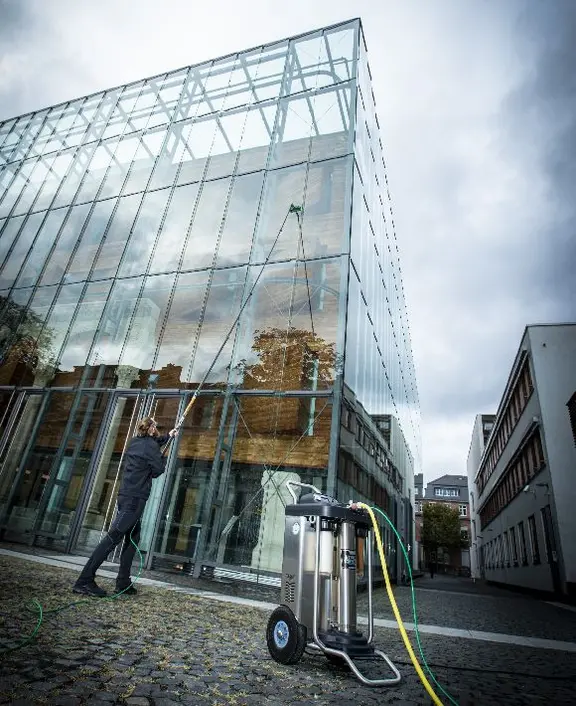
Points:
[285,637]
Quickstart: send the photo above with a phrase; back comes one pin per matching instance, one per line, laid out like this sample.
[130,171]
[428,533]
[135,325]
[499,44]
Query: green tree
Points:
[441,528]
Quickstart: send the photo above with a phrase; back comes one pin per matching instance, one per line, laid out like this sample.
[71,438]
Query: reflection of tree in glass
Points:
[23,337]
[292,359]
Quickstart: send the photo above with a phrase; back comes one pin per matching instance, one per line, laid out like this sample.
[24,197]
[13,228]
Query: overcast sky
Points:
[477,100]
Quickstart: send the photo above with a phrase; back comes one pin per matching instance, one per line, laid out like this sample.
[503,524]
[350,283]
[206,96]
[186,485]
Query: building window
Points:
[523,551]
[507,551]
[533,540]
[572,415]
[463,510]
[514,546]
[446,492]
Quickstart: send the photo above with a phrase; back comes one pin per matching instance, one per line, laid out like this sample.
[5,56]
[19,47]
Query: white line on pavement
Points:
[520,640]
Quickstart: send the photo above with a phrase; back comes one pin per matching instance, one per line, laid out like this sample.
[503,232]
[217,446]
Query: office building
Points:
[483,425]
[227,225]
[524,482]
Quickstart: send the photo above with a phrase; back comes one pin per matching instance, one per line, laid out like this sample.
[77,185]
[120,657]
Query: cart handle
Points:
[290,483]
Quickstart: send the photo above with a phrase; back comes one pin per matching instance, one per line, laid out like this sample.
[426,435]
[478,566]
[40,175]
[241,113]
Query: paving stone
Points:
[137,701]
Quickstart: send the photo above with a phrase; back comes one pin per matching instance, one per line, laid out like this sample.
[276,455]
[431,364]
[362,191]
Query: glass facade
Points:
[147,243]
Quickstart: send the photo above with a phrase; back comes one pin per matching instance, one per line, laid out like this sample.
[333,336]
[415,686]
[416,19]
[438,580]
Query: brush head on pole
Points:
[295,209]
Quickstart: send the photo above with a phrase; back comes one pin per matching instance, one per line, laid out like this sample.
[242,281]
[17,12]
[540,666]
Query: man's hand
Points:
[172,433]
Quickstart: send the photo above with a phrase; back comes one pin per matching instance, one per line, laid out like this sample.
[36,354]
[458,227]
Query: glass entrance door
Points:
[99,506]
[46,451]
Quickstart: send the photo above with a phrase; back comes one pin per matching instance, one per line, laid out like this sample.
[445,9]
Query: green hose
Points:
[416,631]
[59,609]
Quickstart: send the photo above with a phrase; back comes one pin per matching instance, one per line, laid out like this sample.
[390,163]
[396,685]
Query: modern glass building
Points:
[135,225]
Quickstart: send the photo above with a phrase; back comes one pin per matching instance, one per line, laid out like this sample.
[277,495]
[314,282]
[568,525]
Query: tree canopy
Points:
[441,527]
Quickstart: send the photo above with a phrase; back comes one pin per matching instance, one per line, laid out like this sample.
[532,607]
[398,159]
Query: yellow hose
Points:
[401,627]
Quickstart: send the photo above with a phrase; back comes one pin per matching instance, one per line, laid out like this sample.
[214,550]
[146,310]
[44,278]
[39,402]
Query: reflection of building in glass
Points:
[134,226]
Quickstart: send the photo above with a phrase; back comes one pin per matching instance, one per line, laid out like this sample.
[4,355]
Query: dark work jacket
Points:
[142,462]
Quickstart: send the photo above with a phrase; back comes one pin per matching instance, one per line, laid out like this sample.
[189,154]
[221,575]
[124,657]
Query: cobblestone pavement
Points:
[163,647]
[455,604]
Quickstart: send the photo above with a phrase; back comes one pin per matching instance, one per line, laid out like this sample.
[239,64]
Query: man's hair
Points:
[143,426]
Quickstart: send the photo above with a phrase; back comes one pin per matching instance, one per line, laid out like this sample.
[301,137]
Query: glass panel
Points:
[256,138]
[119,119]
[146,324]
[327,208]
[197,141]
[236,238]
[104,491]
[167,165]
[59,320]
[68,472]
[179,526]
[56,141]
[276,440]
[192,92]
[84,116]
[20,249]
[116,320]
[288,334]
[143,107]
[296,127]
[47,235]
[27,199]
[168,97]
[283,187]
[268,72]
[60,256]
[206,225]
[100,118]
[144,160]
[58,170]
[28,135]
[27,347]
[116,174]
[331,124]
[86,321]
[168,249]
[107,260]
[181,328]
[341,51]
[18,184]
[24,475]
[144,233]
[221,308]
[101,158]
[216,86]
[8,235]
[101,508]
[71,181]
[82,259]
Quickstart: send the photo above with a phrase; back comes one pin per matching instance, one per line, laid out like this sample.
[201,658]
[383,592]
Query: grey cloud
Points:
[14,17]
[542,125]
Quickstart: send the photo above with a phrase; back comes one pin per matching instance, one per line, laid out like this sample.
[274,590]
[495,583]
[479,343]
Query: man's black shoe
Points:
[126,591]
[89,589]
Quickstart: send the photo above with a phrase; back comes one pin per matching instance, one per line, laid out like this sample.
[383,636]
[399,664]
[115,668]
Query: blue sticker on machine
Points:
[348,558]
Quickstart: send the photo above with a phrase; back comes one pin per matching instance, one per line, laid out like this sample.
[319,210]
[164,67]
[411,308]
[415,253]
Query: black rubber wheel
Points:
[285,637]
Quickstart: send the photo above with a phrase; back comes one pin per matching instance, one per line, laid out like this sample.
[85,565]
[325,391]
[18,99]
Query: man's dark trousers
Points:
[126,523]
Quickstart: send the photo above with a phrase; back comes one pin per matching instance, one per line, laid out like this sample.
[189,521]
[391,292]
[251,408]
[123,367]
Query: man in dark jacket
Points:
[143,462]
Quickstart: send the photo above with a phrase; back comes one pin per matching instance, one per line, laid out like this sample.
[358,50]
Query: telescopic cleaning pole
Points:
[293,209]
